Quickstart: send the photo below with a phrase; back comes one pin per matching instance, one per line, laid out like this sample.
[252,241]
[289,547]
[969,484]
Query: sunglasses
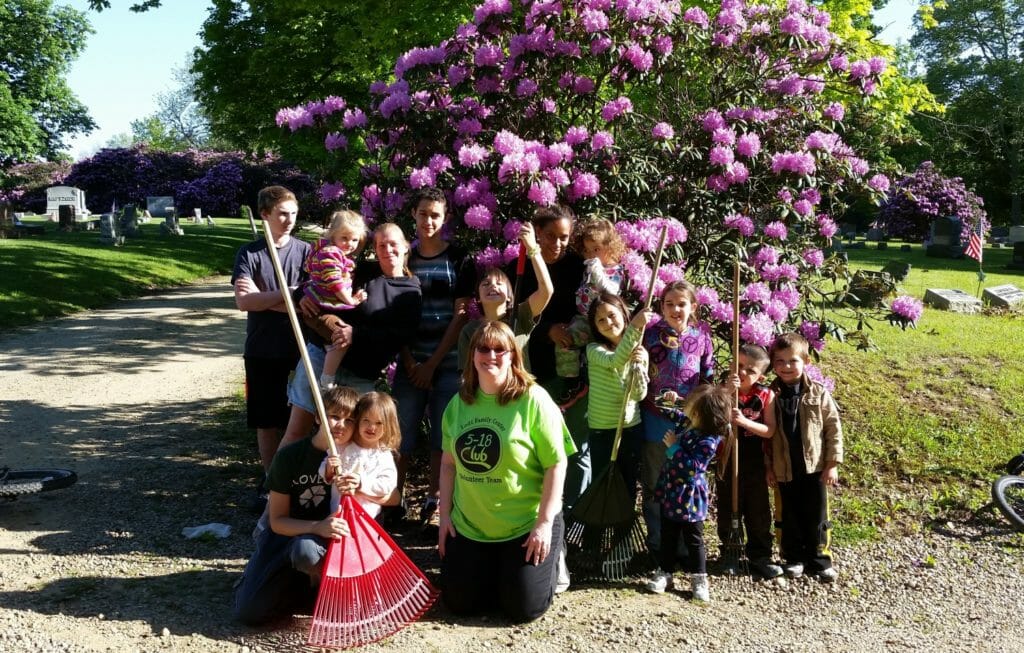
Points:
[497,351]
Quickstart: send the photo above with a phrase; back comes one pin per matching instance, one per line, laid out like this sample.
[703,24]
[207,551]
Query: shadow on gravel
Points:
[177,601]
[177,471]
[137,335]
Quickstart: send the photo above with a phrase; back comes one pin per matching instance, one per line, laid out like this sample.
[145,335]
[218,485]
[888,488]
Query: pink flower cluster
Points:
[615,108]
[907,308]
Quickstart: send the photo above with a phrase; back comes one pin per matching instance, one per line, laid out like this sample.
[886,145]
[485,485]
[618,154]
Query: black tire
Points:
[1008,493]
[27,481]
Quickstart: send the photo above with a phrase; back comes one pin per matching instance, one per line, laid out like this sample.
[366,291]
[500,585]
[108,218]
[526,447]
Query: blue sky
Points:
[130,58]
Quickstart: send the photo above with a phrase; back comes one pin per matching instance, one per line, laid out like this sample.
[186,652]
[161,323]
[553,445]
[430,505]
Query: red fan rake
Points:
[369,588]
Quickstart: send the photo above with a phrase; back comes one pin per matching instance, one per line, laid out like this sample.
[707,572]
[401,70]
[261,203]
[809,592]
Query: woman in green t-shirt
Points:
[505,448]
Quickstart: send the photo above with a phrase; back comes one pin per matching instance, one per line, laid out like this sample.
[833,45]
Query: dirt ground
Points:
[135,399]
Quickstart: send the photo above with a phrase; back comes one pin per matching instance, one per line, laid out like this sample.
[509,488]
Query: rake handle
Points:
[318,400]
[733,431]
[630,376]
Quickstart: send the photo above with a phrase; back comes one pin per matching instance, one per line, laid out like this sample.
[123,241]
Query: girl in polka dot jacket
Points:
[682,489]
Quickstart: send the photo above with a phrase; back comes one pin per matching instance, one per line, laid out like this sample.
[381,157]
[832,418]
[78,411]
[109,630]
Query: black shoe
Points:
[766,569]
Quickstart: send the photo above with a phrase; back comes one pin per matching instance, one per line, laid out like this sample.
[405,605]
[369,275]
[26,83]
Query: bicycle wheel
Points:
[1008,493]
[15,482]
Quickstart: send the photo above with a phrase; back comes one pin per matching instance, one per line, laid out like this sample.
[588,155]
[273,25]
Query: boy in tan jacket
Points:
[805,452]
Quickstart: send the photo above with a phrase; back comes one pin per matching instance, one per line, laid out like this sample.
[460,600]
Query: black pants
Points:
[478,577]
[692,534]
[806,529]
[754,508]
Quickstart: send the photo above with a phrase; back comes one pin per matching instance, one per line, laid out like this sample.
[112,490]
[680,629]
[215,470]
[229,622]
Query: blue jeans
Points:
[299,393]
[413,402]
[280,578]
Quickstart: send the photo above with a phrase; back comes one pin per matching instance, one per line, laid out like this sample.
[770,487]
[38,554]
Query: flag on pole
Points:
[974,249]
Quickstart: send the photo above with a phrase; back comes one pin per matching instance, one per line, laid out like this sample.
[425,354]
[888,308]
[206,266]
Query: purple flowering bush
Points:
[727,127]
[925,194]
[216,182]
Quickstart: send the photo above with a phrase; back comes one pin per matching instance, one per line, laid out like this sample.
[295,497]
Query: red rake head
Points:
[369,588]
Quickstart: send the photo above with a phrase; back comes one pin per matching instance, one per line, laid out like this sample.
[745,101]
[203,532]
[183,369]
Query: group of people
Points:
[522,385]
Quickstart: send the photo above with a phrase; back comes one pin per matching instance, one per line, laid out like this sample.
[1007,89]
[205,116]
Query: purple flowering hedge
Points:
[216,182]
[925,194]
[726,127]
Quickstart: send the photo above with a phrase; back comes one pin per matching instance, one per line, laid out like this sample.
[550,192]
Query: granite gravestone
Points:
[952,300]
[1004,296]
[944,240]
[109,230]
[129,220]
[160,206]
[898,270]
[1017,261]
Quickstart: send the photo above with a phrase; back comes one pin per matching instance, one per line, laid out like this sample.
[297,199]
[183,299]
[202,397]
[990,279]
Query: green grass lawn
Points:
[932,414]
[61,273]
[929,416]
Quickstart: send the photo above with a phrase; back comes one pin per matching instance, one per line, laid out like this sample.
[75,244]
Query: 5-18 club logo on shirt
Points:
[479,450]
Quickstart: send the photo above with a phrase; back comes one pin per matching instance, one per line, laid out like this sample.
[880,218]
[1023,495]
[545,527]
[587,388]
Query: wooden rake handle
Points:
[282,282]
[733,431]
[629,377]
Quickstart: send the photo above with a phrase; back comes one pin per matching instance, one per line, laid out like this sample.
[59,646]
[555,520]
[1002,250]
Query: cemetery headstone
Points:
[1016,234]
[998,235]
[1004,296]
[1017,261]
[944,241]
[869,289]
[66,217]
[197,216]
[905,248]
[882,245]
[160,206]
[170,227]
[874,234]
[129,221]
[952,300]
[146,216]
[898,270]
[109,230]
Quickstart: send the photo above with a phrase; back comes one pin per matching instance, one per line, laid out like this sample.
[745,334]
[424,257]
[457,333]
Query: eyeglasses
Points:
[497,351]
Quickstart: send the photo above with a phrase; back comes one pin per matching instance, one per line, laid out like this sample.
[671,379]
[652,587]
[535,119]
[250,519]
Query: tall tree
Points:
[261,55]
[38,42]
[973,53]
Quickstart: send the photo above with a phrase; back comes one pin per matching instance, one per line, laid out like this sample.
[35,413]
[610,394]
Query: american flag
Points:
[974,244]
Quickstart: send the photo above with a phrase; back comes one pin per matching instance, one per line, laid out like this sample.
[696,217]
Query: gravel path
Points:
[125,396]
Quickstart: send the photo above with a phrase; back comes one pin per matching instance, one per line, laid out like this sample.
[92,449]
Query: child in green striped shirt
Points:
[618,376]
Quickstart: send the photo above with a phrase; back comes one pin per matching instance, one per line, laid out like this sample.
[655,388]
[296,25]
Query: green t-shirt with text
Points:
[501,453]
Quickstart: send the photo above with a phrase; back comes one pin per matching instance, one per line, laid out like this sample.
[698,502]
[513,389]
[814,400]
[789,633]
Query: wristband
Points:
[533,251]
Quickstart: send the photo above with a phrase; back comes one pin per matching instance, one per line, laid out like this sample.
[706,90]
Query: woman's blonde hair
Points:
[385,227]
[496,334]
[602,232]
[385,405]
[349,221]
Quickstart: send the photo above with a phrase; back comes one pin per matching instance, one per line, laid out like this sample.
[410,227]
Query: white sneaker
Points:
[661,581]
[827,575]
[699,585]
[793,569]
[562,578]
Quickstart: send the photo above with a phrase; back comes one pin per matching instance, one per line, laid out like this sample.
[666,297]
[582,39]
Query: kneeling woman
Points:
[505,448]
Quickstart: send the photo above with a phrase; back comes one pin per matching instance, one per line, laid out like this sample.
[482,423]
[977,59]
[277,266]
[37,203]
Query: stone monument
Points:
[944,241]
[952,300]
[1004,296]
